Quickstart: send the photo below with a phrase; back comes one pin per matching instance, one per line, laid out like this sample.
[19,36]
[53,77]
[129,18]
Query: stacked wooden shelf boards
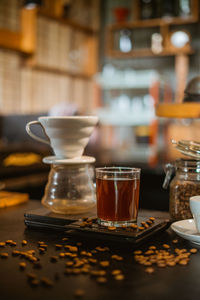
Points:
[45,58]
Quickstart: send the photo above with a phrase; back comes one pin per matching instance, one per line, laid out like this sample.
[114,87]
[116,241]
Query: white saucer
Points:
[69,161]
[187,230]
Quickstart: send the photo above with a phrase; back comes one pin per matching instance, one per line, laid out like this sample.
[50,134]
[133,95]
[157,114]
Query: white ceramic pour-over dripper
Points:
[68,136]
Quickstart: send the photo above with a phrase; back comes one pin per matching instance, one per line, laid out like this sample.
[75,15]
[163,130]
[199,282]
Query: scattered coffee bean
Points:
[116,272]
[22,265]
[111,228]
[117,257]
[46,282]
[166,246]
[104,264]
[24,242]
[174,241]
[58,246]
[54,259]
[193,250]
[79,293]
[101,279]
[119,277]
[134,226]
[8,242]
[34,282]
[31,276]
[65,239]
[62,255]
[4,255]
[15,253]
[150,270]
[141,228]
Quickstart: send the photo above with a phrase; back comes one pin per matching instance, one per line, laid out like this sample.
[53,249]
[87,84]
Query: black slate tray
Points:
[44,219]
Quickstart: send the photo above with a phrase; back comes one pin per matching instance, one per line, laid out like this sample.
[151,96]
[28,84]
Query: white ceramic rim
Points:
[68,117]
[68,161]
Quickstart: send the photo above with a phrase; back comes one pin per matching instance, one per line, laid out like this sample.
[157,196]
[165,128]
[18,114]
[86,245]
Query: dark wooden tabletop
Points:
[179,282]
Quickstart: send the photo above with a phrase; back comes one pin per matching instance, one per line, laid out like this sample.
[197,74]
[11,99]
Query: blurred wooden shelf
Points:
[178,110]
[58,71]
[75,25]
[23,41]
[154,22]
[148,53]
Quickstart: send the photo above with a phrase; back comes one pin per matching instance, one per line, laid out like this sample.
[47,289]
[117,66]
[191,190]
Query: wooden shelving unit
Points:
[149,53]
[53,59]
[60,72]
[71,23]
[162,23]
[23,41]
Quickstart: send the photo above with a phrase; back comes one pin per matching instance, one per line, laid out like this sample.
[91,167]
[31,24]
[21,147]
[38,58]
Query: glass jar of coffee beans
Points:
[185,184]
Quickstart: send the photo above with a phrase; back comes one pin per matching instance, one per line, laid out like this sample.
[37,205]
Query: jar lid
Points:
[188,148]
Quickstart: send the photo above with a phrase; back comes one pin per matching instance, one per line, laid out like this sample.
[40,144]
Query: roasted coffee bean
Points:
[69,263]
[116,272]
[54,259]
[58,246]
[134,226]
[119,277]
[31,276]
[22,265]
[117,257]
[46,282]
[111,228]
[62,255]
[193,250]
[13,244]
[34,282]
[141,228]
[79,293]
[42,250]
[15,253]
[104,263]
[24,242]
[174,241]
[101,279]
[8,242]
[4,255]
[150,270]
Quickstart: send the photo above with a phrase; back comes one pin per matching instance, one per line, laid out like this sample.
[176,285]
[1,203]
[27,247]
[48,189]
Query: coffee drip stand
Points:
[70,188]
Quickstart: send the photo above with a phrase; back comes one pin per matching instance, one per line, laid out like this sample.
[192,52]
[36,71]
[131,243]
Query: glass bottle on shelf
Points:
[148,9]
[125,40]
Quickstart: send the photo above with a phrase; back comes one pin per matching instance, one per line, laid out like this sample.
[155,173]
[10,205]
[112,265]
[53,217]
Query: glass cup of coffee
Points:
[117,190]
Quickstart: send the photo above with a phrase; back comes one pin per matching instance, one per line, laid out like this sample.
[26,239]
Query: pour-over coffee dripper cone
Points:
[70,188]
[68,136]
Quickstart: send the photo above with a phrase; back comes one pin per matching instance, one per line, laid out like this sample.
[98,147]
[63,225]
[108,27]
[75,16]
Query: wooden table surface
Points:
[179,282]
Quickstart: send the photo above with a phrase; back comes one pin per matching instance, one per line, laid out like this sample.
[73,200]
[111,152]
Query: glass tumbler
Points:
[117,191]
